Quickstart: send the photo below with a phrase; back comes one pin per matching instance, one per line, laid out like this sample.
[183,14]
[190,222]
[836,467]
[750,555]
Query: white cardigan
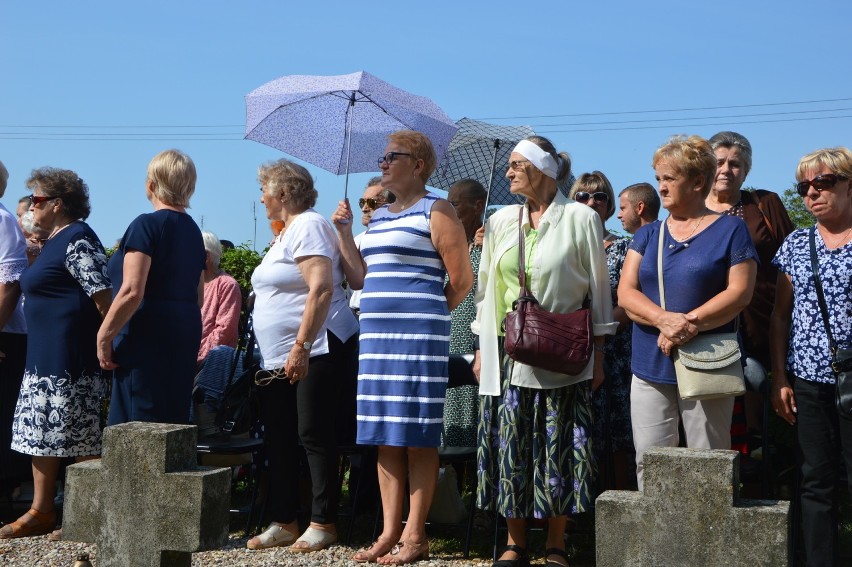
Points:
[568,263]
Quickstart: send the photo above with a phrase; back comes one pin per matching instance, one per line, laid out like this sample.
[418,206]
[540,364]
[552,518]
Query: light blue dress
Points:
[405,331]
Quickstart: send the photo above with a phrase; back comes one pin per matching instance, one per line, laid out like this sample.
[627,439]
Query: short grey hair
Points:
[4,178]
[728,139]
[213,247]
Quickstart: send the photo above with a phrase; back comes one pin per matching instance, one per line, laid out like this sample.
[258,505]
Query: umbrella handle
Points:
[350,112]
[490,178]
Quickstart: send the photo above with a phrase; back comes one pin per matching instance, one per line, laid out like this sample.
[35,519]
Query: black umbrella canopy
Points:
[480,150]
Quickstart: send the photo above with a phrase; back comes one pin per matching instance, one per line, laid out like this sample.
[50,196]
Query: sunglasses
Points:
[266,377]
[820,183]
[584,196]
[36,199]
[390,156]
[518,164]
[372,204]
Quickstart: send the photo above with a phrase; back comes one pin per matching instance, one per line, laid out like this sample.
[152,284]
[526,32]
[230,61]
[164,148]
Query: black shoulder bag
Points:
[841,358]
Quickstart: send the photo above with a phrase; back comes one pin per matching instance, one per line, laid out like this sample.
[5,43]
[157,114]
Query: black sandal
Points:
[555,551]
[523,559]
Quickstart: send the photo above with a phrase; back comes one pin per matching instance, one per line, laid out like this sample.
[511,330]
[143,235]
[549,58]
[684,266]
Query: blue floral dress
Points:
[59,408]
[612,429]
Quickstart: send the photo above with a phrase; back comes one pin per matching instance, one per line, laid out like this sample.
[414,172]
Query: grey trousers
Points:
[656,409]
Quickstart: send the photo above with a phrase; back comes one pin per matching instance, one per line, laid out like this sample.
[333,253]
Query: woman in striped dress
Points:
[408,249]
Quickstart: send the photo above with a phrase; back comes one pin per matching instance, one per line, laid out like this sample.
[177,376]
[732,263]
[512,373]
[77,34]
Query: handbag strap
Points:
[660,276]
[522,268]
[820,294]
[660,266]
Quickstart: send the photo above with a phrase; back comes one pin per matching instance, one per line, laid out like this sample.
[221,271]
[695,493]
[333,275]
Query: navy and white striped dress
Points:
[405,331]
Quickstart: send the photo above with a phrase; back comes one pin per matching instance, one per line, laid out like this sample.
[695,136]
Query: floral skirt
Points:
[534,451]
[59,416]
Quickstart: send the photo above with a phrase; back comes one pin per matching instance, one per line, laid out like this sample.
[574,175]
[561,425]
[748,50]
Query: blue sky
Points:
[153,67]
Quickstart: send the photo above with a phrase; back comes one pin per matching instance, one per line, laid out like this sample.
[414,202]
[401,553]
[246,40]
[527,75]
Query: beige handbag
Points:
[708,366]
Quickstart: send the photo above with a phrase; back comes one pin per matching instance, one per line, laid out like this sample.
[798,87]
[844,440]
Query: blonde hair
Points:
[595,182]
[420,147]
[173,174]
[838,160]
[692,157]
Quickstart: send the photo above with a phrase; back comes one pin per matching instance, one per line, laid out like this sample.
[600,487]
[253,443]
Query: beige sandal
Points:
[274,536]
[316,539]
[369,556]
[406,552]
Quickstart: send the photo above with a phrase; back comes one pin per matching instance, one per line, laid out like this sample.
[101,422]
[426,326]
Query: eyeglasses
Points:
[518,164]
[266,377]
[820,183]
[390,156]
[584,196]
[36,199]
[372,204]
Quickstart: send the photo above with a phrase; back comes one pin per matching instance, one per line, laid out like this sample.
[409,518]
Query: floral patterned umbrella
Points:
[340,123]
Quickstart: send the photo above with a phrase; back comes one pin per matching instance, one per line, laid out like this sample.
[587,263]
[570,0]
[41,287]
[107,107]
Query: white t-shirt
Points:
[13,262]
[281,290]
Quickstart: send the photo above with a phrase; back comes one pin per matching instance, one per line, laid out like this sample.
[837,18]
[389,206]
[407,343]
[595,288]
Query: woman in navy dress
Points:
[151,335]
[67,292]
[404,256]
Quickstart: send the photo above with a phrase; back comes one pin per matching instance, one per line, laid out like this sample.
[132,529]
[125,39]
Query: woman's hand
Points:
[342,216]
[678,328]
[477,365]
[783,399]
[105,353]
[296,366]
[479,236]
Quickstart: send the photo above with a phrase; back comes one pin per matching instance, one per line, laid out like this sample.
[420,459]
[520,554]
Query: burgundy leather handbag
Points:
[559,342]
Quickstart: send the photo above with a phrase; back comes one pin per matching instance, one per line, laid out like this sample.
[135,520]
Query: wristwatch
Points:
[305,344]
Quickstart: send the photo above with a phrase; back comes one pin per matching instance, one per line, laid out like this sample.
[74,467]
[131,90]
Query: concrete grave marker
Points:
[689,514]
[147,503]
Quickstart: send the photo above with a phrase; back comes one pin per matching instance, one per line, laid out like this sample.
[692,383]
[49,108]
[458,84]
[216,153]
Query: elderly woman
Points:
[151,335]
[68,292]
[13,338]
[768,224]
[308,340]
[410,247]
[803,383]
[220,313]
[611,434]
[534,452]
[709,268]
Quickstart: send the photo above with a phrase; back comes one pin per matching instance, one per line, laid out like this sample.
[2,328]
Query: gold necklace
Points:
[681,240]
[837,243]
[58,230]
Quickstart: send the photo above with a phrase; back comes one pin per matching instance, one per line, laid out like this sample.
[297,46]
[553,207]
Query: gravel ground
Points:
[39,552]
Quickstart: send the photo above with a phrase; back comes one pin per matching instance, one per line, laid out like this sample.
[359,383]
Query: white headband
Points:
[538,157]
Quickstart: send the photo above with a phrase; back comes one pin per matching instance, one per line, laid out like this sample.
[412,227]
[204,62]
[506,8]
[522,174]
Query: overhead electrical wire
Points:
[638,123]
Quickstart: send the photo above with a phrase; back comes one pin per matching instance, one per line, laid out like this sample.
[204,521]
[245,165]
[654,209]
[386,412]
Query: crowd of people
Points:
[355,332]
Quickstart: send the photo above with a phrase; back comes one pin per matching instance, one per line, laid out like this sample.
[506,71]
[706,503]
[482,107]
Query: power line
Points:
[789,113]
[694,125]
[665,110]
[124,126]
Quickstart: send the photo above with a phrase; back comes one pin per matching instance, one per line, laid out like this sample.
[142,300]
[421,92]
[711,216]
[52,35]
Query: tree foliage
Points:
[240,262]
[795,205]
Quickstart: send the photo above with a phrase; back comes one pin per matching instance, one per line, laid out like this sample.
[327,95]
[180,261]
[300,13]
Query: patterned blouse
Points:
[808,356]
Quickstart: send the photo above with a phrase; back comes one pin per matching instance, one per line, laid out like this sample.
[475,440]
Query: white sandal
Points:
[316,539]
[274,536]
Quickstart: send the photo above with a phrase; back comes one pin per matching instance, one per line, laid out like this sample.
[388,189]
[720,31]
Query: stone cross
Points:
[689,514]
[146,503]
